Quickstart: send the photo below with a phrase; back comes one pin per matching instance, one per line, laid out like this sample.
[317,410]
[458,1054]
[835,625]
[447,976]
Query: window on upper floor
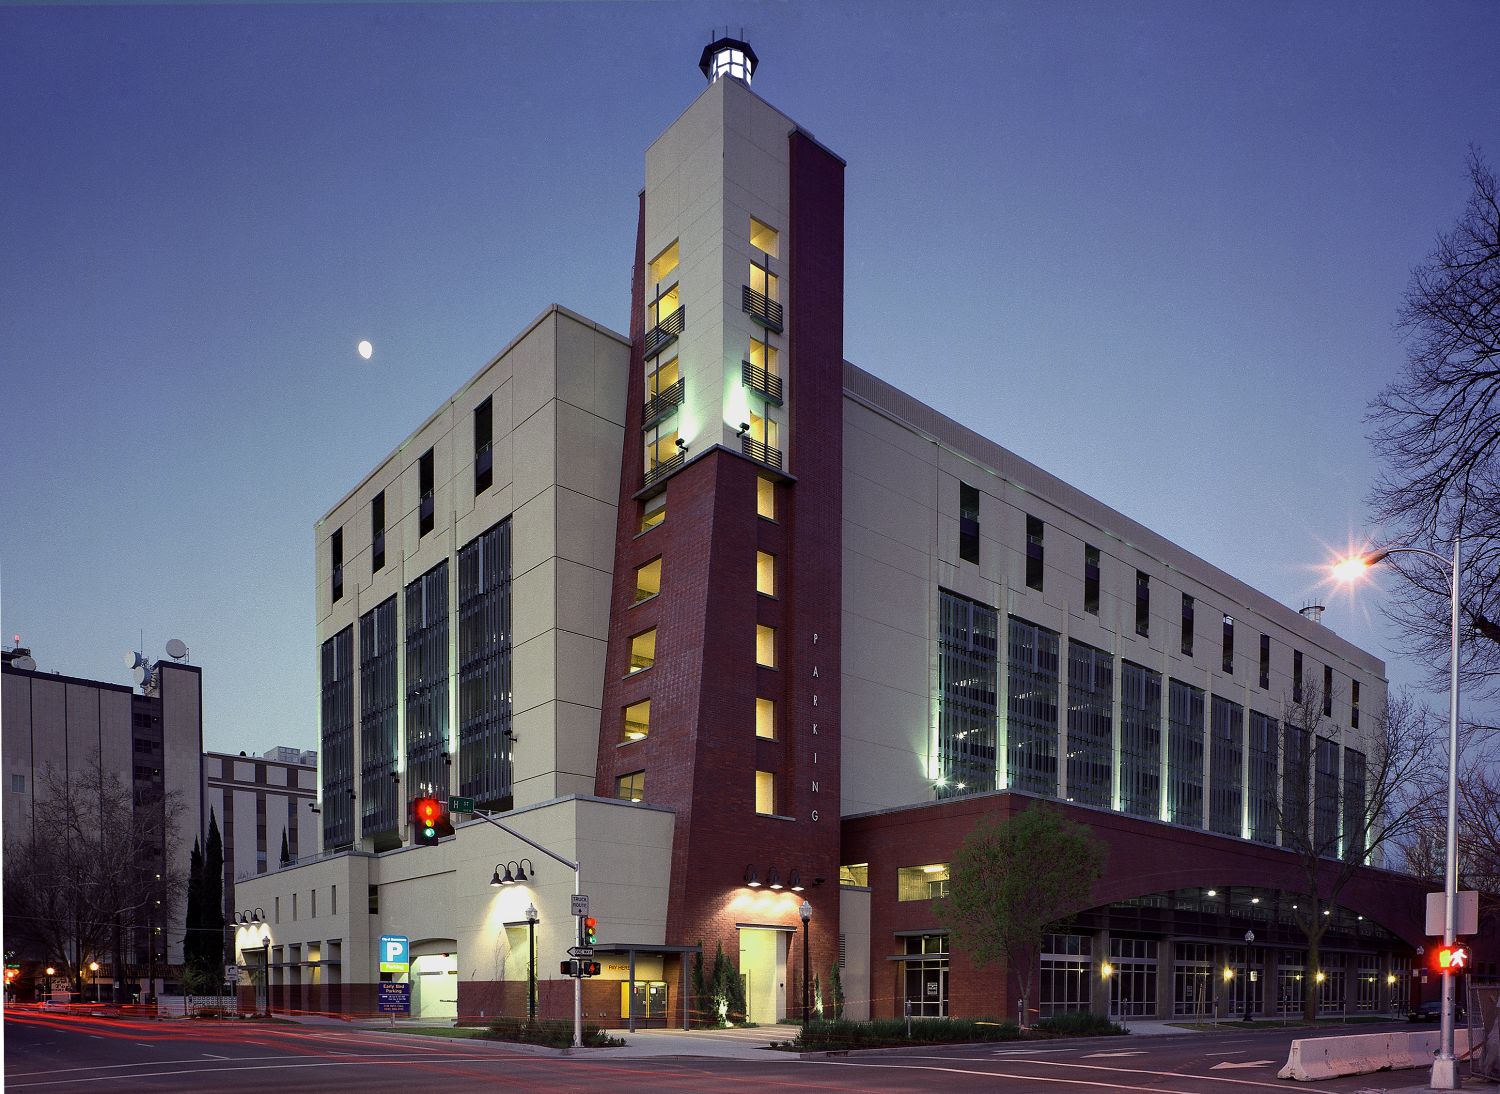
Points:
[377,532]
[18,783]
[1034,531]
[661,447]
[764,238]
[1142,603]
[968,522]
[765,792]
[765,573]
[856,874]
[662,377]
[643,650]
[631,787]
[637,721]
[427,505]
[1353,704]
[765,498]
[1327,691]
[765,432]
[662,307]
[484,451]
[922,882]
[764,282]
[1187,625]
[1296,676]
[1228,662]
[664,263]
[764,355]
[648,580]
[765,718]
[765,646]
[1091,579]
[654,512]
[336,550]
[1265,661]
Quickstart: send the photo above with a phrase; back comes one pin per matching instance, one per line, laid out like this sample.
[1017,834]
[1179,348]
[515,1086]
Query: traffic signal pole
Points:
[571,865]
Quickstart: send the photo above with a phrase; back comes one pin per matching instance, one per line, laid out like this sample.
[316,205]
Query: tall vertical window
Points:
[336,553]
[1142,603]
[377,532]
[765,792]
[1140,740]
[427,505]
[765,499]
[1228,664]
[662,374]
[1265,661]
[764,238]
[1185,755]
[484,668]
[1226,766]
[764,356]
[1031,709]
[427,683]
[377,718]
[664,263]
[1091,692]
[648,579]
[765,718]
[1296,676]
[968,522]
[642,651]
[338,739]
[1034,529]
[1263,762]
[636,721]
[631,787]
[765,573]
[765,645]
[1296,778]
[1327,691]
[653,512]
[1091,579]
[1354,833]
[1326,797]
[484,448]
[1353,704]
[968,686]
[1187,625]
[764,282]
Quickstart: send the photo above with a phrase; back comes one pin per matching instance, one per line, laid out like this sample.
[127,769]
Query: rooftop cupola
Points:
[730,57]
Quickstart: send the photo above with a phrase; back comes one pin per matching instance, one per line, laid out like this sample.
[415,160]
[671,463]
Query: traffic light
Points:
[570,967]
[1453,959]
[590,968]
[588,931]
[427,820]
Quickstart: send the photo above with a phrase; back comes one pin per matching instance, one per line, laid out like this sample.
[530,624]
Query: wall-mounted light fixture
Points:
[515,873]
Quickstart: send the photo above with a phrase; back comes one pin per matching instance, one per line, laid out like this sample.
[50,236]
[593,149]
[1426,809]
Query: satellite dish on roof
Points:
[140,674]
[176,649]
[133,660]
[25,664]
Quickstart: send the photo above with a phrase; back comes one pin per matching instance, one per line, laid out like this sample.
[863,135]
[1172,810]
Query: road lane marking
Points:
[294,1064]
[1245,1063]
[1092,1067]
[211,1056]
[1236,1052]
[1164,1074]
[1008,1075]
[1105,1055]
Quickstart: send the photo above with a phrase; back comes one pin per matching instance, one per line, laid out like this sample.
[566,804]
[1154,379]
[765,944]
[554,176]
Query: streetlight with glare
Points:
[1249,941]
[805,911]
[1445,1065]
[531,918]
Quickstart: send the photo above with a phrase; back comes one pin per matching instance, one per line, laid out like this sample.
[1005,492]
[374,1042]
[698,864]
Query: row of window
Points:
[969,738]
[968,550]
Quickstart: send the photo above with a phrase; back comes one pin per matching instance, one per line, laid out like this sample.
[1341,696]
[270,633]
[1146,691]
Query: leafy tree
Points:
[817,996]
[836,990]
[1437,429]
[1015,879]
[700,986]
[89,872]
[1351,832]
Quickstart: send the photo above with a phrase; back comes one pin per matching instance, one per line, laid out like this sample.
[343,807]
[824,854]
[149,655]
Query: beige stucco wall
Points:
[854,925]
[903,463]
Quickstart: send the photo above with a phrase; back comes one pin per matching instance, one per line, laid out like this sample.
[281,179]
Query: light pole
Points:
[1249,941]
[265,946]
[805,911]
[531,917]
[1445,1066]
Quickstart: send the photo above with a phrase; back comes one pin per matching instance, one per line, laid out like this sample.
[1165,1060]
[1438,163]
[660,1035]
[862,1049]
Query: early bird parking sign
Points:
[394,953]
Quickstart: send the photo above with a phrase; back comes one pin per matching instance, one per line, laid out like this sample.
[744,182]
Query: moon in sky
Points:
[366,349]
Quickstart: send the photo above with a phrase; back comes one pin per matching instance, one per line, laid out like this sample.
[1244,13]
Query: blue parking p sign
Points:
[395,953]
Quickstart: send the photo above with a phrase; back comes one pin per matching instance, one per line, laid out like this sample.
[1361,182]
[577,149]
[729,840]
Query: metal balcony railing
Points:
[665,333]
[661,404]
[759,450]
[761,308]
[758,379]
[665,468]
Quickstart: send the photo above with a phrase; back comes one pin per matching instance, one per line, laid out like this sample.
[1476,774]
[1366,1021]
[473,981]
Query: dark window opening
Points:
[1327,691]
[1296,676]
[1265,661]
[1091,579]
[484,452]
[1353,704]
[377,532]
[1034,553]
[968,522]
[427,506]
[1187,625]
[1142,603]
[1228,665]
[337,546]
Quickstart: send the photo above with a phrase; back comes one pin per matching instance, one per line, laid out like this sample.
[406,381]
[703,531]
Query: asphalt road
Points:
[62,1054]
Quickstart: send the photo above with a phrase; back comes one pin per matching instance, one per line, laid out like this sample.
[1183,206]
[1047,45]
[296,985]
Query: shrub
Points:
[554,1032]
[1079,1024]
[843,1033]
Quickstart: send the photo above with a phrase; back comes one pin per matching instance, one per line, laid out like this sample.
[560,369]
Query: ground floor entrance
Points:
[763,970]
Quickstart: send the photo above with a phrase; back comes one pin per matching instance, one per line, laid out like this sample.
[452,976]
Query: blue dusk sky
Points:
[1155,248]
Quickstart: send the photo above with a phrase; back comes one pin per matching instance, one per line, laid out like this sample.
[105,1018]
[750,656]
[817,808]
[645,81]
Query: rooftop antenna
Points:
[143,669]
[177,649]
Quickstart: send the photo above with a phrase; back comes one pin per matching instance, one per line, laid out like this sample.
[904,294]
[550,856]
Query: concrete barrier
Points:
[1313,1058]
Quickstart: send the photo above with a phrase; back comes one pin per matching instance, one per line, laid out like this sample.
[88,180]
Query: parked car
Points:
[1432,1011]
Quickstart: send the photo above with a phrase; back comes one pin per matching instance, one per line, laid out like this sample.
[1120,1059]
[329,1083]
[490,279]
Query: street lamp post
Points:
[1445,1065]
[265,946]
[531,917]
[805,911]
[1249,941]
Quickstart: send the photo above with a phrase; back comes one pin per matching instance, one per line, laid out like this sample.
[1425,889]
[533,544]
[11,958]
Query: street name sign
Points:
[580,951]
[460,805]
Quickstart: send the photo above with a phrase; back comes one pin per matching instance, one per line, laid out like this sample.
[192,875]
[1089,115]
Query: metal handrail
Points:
[761,308]
[759,379]
[665,333]
[759,450]
[665,468]
[661,404]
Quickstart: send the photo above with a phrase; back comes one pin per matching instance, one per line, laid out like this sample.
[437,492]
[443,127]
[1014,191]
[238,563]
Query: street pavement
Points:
[65,1053]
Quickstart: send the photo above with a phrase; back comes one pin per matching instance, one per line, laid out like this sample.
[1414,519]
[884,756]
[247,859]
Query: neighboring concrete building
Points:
[152,740]
[738,626]
[259,802]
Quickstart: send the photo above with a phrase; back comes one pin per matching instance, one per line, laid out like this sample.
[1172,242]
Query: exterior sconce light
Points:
[752,879]
[794,881]
[773,879]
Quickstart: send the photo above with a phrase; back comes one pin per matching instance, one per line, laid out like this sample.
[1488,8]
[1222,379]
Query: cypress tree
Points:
[194,920]
[212,901]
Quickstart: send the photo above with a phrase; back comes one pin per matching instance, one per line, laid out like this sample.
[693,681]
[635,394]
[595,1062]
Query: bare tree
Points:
[89,872]
[1437,429]
[1340,808]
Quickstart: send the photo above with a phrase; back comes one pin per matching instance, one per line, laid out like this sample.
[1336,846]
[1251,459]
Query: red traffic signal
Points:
[588,931]
[1453,958]
[574,967]
[590,968]
[427,819]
